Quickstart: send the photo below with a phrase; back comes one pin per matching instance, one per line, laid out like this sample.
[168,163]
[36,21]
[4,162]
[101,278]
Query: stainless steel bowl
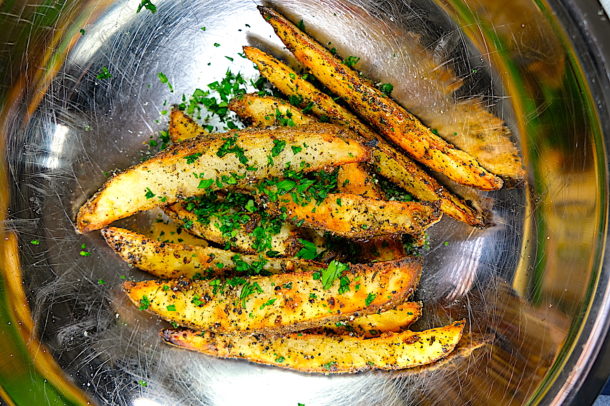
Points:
[534,282]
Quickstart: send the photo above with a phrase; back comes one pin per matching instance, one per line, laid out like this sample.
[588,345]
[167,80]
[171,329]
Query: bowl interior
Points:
[527,282]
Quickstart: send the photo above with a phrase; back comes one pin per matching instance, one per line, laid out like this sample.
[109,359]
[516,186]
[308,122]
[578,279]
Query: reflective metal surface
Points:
[534,281]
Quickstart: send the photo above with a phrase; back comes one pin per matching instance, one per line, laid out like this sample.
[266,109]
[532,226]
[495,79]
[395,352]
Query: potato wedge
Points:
[170,261]
[285,242]
[182,127]
[373,325]
[389,163]
[354,216]
[267,111]
[319,353]
[179,171]
[352,178]
[280,302]
[385,114]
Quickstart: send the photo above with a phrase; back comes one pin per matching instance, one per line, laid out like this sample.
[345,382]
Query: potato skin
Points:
[169,176]
[282,302]
[391,119]
[388,161]
[326,354]
[170,261]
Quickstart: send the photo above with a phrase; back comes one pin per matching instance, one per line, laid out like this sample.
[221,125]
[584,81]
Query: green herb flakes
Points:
[267,303]
[144,303]
[247,290]
[191,159]
[104,73]
[332,273]
[386,88]
[164,80]
[351,61]
[308,251]
[369,299]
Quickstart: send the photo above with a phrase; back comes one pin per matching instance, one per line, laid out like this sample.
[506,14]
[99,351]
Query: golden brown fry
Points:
[182,170]
[285,242]
[354,216]
[266,111]
[373,325]
[280,302]
[388,161]
[169,261]
[182,127]
[390,118]
[319,353]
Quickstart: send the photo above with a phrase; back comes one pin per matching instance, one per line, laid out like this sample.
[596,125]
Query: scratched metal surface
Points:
[526,281]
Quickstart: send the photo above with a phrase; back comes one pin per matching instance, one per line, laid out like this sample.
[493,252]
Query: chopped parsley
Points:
[216,44]
[295,99]
[351,61]
[104,73]
[148,5]
[302,187]
[330,274]
[205,183]
[149,193]
[267,303]
[142,383]
[190,159]
[231,212]
[171,308]
[230,147]
[144,303]
[280,359]
[231,86]
[164,80]
[285,119]
[301,25]
[386,88]
[247,290]
[369,299]
[329,365]
[278,147]
[35,242]
[101,282]
[82,31]
[343,284]
[308,251]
